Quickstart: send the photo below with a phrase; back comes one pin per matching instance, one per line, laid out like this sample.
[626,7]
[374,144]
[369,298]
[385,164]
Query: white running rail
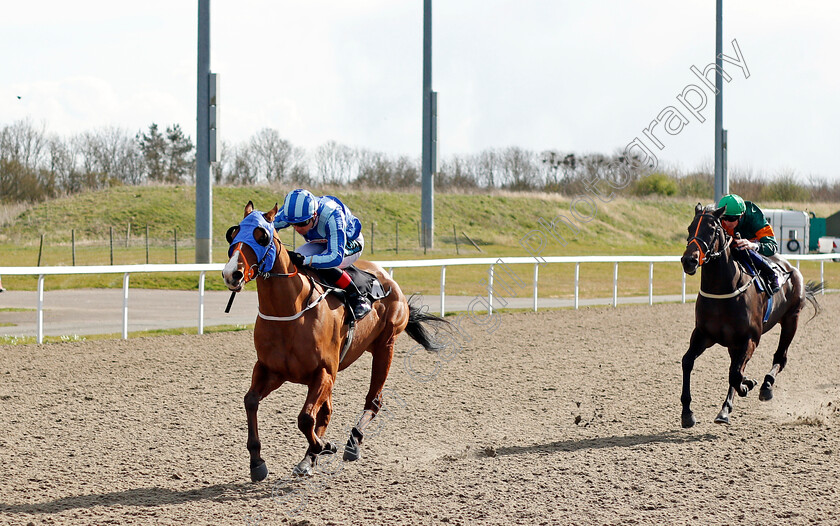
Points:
[491,263]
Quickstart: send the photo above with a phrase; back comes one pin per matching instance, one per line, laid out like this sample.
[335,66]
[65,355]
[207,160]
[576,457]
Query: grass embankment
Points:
[496,222]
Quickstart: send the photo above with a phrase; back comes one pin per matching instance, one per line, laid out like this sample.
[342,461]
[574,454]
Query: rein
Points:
[311,302]
[253,271]
[707,255]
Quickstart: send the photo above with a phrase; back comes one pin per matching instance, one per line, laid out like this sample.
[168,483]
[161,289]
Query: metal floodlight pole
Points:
[427,170]
[203,184]
[721,177]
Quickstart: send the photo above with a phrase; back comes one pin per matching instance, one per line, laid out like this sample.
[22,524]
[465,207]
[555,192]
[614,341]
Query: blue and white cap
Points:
[299,206]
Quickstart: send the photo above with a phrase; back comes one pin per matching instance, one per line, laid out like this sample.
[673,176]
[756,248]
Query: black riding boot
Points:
[358,303]
[766,270]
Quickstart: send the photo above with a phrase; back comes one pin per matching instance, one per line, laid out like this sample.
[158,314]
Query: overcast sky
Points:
[569,75]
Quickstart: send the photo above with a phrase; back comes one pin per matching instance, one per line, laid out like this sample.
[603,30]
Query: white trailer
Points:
[792,229]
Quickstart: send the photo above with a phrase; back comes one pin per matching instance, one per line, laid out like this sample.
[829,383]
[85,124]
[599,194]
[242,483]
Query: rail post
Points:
[442,289]
[125,307]
[615,285]
[201,302]
[40,319]
[650,285]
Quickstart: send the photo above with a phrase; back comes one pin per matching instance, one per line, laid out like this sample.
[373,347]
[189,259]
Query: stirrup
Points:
[771,283]
[359,306]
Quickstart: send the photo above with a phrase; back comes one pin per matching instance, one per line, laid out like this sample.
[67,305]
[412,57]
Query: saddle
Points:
[367,283]
[369,286]
[760,281]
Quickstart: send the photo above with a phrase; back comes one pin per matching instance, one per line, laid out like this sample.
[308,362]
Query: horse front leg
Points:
[383,354]
[789,325]
[263,382]
[320,392]
[738,383]
[723,415]
[696,347]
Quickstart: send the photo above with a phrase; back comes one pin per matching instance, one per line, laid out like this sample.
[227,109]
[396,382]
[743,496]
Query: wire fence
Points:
[144,244]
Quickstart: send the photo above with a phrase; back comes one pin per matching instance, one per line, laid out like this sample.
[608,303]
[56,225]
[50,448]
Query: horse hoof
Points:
[688,420]
[722,419]
[259,472]
[329,448]
[765,394]
[303,469]
[352,451]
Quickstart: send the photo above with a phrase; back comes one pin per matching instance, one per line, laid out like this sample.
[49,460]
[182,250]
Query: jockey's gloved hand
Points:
[296,258]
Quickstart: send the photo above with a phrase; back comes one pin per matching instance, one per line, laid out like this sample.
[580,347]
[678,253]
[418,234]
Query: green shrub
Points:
[696,185]
[785,188]
[655,183]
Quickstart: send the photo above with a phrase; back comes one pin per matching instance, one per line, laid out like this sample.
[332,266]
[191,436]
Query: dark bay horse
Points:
[300,332]
[731,311]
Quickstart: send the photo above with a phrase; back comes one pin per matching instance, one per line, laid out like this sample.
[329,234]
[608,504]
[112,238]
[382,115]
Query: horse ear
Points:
[249,208]
[269,216]
[719,212]
[698,209]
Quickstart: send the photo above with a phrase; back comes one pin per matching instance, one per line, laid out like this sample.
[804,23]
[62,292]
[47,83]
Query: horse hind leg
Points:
[789,325]
[263,382]
[383,354]
[320,392]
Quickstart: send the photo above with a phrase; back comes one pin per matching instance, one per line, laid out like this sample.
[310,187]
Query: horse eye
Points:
[263,239]
[231,233]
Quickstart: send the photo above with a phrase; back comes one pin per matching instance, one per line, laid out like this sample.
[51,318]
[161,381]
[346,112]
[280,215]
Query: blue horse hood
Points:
[265,255]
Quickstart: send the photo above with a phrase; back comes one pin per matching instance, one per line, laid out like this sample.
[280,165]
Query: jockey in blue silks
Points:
[334,240]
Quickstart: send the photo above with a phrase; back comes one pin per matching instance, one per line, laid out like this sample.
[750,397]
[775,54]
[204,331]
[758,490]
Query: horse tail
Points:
[419,321]
[812,288]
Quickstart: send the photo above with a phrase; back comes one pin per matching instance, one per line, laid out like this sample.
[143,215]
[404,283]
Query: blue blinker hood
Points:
[265,255]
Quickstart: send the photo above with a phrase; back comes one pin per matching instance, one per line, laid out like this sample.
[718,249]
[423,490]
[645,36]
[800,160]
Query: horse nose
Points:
[690,262]
[237,276]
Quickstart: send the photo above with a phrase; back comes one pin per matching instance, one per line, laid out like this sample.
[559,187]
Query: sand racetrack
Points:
[563,417]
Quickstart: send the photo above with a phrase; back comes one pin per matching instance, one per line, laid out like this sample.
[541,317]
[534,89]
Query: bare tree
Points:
[489,168]
[224,166]
[108,155]
[458,171]
[276,159]
[23,142]
[519,169]
[338,164]
[242,168]
[62,162]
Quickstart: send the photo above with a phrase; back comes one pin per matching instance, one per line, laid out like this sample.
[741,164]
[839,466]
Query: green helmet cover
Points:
[734,205]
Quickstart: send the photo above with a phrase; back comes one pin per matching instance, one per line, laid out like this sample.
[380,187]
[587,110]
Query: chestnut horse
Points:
[731,311]
[301,330]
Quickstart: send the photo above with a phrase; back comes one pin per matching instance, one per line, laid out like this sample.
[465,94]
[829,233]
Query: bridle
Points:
[706,253]
[253,271]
